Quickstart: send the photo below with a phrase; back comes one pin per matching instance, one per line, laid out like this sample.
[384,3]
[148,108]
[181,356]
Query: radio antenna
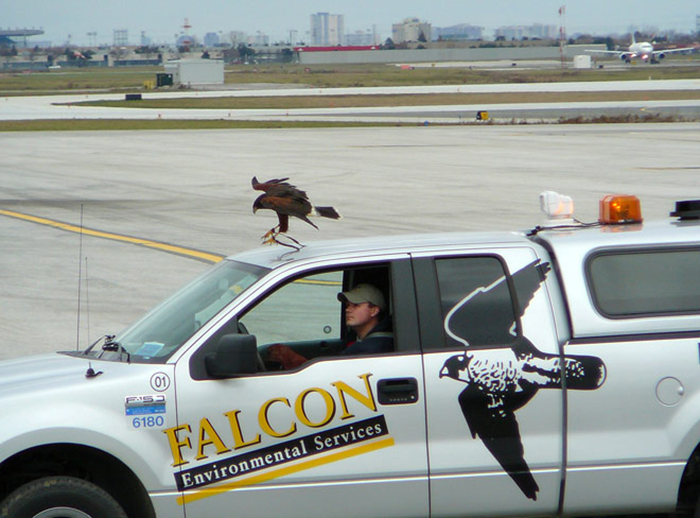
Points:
[87,298]
[80,278]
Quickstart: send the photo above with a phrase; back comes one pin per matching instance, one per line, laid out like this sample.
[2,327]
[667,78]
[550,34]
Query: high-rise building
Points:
[537,30]
[411,29]
[327,29]
[363,38]
[121,37]
[462,31]
[211,39]
[145,40]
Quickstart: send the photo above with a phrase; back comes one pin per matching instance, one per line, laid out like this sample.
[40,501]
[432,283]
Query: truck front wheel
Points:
[60,497]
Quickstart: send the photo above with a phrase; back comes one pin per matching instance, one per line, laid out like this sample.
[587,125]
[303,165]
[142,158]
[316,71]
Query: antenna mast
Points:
[80,278]
[562,34]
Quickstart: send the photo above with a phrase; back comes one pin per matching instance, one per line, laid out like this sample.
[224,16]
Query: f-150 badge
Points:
[496,387]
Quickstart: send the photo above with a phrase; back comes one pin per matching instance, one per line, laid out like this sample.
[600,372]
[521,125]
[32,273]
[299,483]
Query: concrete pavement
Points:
[192,189]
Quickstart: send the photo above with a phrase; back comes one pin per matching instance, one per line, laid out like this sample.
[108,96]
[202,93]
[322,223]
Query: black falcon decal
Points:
[500,384]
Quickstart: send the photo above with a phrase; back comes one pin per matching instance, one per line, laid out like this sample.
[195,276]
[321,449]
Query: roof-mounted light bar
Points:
[619,209]
[557,207]
[688,209]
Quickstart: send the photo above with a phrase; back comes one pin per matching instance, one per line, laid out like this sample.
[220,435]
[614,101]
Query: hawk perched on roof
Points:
[286,200]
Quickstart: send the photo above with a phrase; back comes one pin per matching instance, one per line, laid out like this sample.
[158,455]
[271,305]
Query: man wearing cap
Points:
[365,315]
[365,311]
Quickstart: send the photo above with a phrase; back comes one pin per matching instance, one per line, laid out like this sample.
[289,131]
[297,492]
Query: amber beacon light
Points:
[620,209]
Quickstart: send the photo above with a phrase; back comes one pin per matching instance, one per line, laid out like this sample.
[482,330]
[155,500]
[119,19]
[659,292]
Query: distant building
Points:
[121,37]
[195,71]
[362,38]
[145,40]
[327,29]
[411,29]
[211,39]
[236,37]
[459,32]
[259,40]
[519,32]
[18,37]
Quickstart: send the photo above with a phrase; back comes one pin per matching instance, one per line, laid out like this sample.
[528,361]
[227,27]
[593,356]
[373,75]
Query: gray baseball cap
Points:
[364,293]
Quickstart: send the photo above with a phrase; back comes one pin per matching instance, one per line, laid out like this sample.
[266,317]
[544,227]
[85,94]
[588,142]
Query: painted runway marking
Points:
[207,257]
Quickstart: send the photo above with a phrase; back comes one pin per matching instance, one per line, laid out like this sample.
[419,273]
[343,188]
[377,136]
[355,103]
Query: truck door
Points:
[340,435]
[493,390]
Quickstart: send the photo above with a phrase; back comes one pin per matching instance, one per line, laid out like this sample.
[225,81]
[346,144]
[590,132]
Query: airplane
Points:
[643,50]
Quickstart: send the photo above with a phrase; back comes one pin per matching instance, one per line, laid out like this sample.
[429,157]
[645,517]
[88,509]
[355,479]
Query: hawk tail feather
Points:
[327,212]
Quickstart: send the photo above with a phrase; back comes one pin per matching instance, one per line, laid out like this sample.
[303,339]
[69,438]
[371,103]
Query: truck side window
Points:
[633,283]
[476,303]
[302,310]
[305,316]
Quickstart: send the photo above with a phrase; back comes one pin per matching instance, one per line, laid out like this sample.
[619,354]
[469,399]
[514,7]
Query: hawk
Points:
[287,200]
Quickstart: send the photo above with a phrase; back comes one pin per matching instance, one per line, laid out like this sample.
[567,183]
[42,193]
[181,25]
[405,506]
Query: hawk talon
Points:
[271,238]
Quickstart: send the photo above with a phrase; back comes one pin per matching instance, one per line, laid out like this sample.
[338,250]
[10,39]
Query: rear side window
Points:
[477,307]
[645,282]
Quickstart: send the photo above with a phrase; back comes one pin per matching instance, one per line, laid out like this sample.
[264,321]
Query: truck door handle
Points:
[397,391]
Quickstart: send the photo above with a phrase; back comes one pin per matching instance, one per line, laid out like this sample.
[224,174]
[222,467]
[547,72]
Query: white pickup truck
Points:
[554,371]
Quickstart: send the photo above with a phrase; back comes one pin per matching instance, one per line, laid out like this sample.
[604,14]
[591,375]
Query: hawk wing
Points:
[270,184]
[527,281]
[284,198]
[494,422]
[280,187]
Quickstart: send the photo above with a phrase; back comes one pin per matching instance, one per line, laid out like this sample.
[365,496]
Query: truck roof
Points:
[272,257]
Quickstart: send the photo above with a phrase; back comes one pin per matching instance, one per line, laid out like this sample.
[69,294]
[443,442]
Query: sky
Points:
[162,20]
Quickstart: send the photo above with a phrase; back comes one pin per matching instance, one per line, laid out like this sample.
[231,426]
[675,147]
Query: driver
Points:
[365,315]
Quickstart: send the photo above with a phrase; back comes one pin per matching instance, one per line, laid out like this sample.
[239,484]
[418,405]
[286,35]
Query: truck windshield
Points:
[167,326]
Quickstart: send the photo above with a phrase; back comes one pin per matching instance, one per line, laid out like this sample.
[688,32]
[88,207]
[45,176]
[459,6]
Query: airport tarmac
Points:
[191,189]
[69,107]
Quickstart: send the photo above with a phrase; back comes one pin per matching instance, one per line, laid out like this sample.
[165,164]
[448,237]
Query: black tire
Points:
[60,497]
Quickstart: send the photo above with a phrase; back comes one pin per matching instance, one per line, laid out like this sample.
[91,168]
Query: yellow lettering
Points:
[265,422]
[300,409]
[176,444]
[239,442]
[208,436]
[365,399]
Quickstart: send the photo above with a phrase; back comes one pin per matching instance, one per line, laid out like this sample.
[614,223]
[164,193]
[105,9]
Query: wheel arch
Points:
[80,461]
[689,489]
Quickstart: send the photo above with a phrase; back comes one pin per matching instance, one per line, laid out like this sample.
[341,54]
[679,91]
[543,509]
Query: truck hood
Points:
[50,371]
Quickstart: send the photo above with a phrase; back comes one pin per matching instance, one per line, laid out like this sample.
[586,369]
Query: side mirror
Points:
[234,355]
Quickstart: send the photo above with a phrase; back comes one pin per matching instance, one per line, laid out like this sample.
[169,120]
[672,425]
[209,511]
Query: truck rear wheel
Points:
[60,497]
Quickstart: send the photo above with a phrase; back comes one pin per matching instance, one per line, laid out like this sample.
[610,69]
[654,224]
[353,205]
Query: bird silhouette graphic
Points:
[501,381]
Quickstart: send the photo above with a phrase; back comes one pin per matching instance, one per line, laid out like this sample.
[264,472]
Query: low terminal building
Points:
[195,71]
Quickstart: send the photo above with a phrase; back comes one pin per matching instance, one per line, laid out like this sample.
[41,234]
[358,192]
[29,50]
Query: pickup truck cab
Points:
[553,371]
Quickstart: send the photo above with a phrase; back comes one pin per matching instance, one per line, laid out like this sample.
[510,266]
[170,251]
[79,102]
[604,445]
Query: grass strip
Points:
[363,101]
